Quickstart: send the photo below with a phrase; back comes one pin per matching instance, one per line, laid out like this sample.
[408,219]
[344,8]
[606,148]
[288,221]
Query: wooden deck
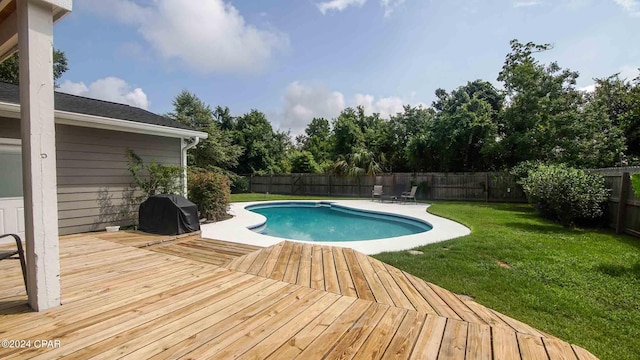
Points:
[284,302]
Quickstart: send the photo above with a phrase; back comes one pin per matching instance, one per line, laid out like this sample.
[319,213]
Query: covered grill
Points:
[168,215]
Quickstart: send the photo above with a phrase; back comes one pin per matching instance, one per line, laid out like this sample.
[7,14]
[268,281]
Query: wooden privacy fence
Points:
[486,186]
[624,205]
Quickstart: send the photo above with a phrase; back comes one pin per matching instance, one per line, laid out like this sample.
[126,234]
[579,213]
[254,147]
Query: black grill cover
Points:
[168,215]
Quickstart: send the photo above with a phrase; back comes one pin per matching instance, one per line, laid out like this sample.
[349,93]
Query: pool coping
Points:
[237,229]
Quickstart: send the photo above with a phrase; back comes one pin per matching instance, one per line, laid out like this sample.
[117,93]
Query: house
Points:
[92,138]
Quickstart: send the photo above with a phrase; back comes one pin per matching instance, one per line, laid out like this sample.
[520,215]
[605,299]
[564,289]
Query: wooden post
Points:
[330,175]
[486,187]
[622,204]
[35,33]
[270,182]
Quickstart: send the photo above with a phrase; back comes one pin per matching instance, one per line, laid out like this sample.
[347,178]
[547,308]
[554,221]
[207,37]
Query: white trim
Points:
[10,141]
[99,122]
[184,147]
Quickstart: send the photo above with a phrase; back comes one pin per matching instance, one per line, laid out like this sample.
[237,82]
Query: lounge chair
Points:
[376,192]
[8,254]
[408,195]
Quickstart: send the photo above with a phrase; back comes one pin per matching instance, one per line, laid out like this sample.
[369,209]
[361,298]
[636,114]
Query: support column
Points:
[35,37]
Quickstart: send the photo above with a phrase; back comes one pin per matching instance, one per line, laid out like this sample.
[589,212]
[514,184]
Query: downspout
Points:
[186,145]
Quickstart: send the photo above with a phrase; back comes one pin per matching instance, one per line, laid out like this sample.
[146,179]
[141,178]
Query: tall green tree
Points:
[546,118]
[10,72]
[317,140]
[265,150]
[620,100]
[218,152]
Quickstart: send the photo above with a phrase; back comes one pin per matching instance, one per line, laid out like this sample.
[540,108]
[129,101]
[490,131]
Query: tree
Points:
[399,131]
[620,99]
[466,127]
[217,152]
[547,119]
[265,150]
[9,69]
[303,162]
[347,133]
[317,140]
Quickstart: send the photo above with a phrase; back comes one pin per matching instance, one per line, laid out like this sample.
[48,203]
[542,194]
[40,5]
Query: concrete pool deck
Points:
[237,230]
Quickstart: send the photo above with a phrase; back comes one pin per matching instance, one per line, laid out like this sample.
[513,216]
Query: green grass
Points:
[582,286]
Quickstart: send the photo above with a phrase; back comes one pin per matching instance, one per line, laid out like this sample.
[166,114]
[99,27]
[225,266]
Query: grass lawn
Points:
[582,286]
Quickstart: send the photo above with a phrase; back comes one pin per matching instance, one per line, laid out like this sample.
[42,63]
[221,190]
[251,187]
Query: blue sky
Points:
[296,59]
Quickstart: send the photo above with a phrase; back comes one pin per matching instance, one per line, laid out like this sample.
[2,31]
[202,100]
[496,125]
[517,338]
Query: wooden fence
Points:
[624,205]
[494,187]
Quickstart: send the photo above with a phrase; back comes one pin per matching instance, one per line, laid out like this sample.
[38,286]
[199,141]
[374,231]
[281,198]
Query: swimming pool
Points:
[324,221]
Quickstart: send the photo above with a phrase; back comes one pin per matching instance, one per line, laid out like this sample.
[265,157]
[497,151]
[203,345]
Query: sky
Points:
[299,59]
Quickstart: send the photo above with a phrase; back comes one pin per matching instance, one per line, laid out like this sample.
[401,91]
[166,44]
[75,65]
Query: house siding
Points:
[94,185]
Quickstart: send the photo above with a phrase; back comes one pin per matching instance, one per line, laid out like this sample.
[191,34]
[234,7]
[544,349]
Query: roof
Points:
[10,93]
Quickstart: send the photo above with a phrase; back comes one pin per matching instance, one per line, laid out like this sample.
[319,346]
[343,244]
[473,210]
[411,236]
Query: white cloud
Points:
[207,35]
[588,89]
[110,89]
[384,106]
[338,5]
[390,5]
[302,103]
[525,3]
[628,72]
[632,6]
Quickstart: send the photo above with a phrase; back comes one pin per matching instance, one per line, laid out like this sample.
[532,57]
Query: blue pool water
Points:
[312,221]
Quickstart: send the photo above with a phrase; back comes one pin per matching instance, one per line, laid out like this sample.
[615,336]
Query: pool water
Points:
[326,222]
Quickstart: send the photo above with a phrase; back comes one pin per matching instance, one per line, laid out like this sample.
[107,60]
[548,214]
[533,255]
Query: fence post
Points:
[270,181]
[330,175]
[486,187]
[250,183]
[622,205]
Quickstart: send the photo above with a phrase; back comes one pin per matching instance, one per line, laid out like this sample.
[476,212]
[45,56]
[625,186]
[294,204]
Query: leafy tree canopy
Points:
[9,69]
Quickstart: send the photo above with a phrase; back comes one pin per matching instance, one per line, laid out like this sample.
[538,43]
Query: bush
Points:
[566,194]
[211,192]
[635,183]
[154,178]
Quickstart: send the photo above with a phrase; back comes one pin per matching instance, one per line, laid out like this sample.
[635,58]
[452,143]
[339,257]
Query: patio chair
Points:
[408,195]
[9,254]
[377,191]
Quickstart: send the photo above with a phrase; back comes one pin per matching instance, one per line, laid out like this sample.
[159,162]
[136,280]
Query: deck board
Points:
[121,300]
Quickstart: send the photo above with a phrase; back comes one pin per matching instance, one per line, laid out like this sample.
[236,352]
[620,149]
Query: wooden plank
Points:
[281,336]
[362,287]
[317,271]
[344,276]
[456,304]
[304,272]
[301,340]
[253,331]
[191,333]
[558,349]
[247,261]
[430,338]
[282,262]
[405,338]
[396,294]
[583,354]
[417,301]
[479,342]
[454,340]
[324,343]
[270,262]
[379,339]
[531,347]
[259,261]
[505,344]
[486,315]
[434,300]
[329,268]
[353,339]
[291,274]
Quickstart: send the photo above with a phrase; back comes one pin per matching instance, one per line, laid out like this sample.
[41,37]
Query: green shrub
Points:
[566,194]
[154,178]
[211,192]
